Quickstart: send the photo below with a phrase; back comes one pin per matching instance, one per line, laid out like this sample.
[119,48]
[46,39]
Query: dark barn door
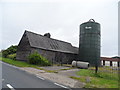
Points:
[58,57]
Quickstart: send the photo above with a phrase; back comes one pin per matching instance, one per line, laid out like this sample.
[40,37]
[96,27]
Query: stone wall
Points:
[56,57]
[23,49]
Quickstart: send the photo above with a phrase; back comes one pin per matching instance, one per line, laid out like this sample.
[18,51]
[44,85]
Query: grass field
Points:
[103,79]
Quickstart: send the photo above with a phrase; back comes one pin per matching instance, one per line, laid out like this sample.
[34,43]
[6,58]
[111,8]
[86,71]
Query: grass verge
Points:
[99,80]
[17,63]
[24,64]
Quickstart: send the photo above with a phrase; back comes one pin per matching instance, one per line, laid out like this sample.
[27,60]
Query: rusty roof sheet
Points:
[110,59]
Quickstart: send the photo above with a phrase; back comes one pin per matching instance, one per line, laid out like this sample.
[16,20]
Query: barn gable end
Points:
[23,48]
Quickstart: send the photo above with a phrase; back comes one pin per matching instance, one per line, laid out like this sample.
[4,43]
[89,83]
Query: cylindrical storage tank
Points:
[89,43]
[80,64]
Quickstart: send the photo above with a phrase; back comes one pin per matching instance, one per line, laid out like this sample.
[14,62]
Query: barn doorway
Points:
[58,57]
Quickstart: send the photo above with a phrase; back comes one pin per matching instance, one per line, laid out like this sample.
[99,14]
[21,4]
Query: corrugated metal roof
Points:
[39,41]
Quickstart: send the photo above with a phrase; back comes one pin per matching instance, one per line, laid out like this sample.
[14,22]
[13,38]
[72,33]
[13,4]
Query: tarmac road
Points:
[13,78]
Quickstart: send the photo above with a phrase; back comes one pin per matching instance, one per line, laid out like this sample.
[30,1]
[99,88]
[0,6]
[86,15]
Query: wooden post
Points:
[118,64]
[103,62]
[96,69]
[110,63]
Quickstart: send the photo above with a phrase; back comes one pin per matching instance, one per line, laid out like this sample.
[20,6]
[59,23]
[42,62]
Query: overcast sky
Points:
[61,18]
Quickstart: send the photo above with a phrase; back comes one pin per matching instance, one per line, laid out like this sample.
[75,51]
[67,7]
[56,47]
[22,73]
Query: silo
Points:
[89,42]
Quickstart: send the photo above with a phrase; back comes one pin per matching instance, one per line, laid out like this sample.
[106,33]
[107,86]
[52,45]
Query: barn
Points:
[56,51]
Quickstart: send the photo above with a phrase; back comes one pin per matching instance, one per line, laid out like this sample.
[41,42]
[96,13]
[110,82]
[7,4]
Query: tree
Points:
[11,50]
[116,57]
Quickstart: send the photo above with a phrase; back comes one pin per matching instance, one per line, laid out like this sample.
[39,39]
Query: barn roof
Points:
[43,42]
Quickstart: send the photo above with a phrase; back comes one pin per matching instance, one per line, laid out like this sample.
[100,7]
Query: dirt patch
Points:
[62,77]
[55,68]
[69,73]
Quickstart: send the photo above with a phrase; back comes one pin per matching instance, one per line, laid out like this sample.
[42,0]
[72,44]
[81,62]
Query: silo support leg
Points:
[118,64]
[110,63]
[103,62]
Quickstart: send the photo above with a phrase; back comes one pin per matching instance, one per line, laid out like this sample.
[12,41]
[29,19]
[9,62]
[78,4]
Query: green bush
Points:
[12,56]
[37,59]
